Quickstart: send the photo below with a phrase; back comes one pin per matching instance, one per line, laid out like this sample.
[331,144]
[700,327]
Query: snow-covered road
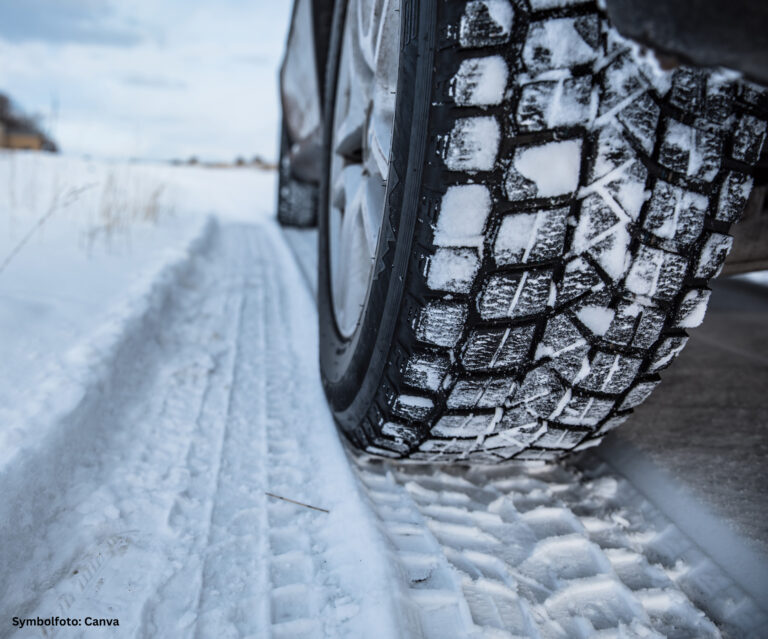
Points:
[155,499]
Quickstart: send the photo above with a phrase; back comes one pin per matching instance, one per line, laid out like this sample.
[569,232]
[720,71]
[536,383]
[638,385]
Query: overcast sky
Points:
[148,78]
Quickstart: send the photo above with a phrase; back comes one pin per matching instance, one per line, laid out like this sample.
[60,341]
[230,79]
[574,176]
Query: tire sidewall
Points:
[352,368]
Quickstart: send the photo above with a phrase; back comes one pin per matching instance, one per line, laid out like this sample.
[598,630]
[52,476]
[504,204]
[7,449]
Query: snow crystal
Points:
[486,23]
[546,170]
[480,81]
[473,144]
[452,269]
[463,212]
[561,43]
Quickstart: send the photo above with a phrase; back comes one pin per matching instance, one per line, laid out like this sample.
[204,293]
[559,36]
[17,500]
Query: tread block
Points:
[613,422]
[560,438]
[687,90]
[666,352]
[713,254]
[486,23]
[463,211]
[539,392]
[619,82]
[452,270]
[561,43]
[512,295]
[610,373]
[748,139]
[733,196]
[555,103]
[692,152]
[412,407]
[565,345]
[426,370]
[486,392]
[579,277]
[690,313]
[656,273]
[544,170]
[462,426]
[602,234]
[676,214]
[480,81]
[583,410]
[640,118]
[487,349]
[531,237]
[473,144]
[401,433]
[635,325]
[441,323]
[638,394]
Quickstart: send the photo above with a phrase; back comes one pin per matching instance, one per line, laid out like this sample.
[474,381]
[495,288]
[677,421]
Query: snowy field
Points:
[159,395]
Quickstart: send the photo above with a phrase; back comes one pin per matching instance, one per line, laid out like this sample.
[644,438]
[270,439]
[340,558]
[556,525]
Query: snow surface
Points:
[179,405]
[552,167]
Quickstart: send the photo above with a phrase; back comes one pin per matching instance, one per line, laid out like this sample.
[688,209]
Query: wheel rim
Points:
[363,121]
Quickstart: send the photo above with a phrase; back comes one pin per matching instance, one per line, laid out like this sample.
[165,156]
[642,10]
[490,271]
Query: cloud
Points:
[63,21]
[154,82]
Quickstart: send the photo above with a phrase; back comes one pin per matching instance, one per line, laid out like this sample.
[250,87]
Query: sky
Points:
[148,79]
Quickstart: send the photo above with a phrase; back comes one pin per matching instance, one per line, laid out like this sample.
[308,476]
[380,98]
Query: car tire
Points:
[555,206]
